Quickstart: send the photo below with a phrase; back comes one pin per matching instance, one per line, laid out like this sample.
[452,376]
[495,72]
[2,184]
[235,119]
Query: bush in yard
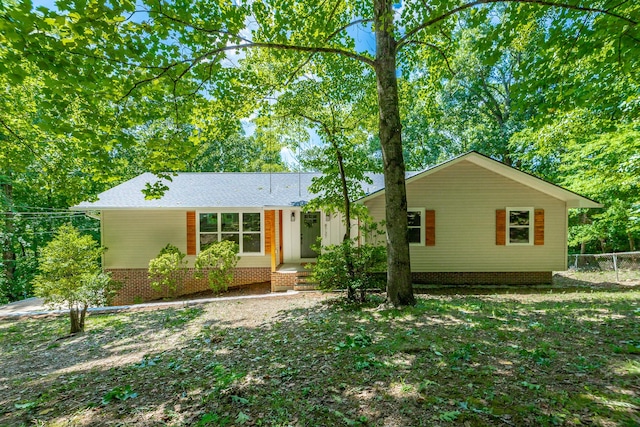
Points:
[217,262]
[166,270]
[70,275]
[368,261]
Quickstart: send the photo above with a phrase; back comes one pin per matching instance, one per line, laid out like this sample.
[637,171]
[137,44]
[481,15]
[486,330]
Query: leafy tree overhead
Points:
[470,96]
[67,134]
[597,157]
[177,54]
[341,111]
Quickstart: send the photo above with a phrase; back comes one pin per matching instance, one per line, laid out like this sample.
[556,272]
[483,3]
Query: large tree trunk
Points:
[399,287]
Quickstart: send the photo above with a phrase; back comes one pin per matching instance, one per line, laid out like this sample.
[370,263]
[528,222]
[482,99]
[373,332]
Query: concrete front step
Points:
[304,282]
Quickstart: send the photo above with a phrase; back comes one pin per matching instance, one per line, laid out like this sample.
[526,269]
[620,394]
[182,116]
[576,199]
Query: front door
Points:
[309,233]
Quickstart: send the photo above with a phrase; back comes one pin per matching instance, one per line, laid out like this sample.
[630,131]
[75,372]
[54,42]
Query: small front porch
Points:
[292,276]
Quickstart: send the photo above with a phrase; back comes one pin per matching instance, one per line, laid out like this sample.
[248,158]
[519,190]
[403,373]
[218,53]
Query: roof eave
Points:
[583,203]
[573,200]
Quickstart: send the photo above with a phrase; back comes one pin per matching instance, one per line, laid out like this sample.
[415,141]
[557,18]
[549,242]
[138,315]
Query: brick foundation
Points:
[136,287]
[136,284]
[484,278]
[282,281]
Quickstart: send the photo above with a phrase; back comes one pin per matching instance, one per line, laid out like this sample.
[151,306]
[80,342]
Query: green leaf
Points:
[242,418]
[27,405]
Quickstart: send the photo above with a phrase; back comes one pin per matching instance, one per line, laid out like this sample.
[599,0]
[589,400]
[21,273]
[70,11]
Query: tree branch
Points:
[436,48]
[329,37]
[296,48]
[20,139]
[164,71]
[404,40]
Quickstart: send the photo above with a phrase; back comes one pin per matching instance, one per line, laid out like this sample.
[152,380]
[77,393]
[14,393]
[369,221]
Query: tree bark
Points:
[346,240]
[399,286]
[76,317]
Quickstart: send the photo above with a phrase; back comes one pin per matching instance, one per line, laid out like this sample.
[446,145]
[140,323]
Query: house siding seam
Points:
[136,284]
[484,278]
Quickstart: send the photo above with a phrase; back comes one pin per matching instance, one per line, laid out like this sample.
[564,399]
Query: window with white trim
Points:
[415,220]
[519,226]
[243,228]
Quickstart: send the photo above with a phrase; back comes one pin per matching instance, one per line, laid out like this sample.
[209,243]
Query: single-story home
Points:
[472,220]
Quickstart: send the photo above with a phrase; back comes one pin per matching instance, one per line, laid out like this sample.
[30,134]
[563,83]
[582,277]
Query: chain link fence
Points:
[624,265]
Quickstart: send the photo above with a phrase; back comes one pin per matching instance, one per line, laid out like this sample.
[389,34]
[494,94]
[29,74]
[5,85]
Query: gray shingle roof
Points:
[257,190]
[204,189]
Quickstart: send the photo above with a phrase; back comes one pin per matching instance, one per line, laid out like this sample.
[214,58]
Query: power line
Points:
[36,207]
[68,213]
[49,232]
[39,218]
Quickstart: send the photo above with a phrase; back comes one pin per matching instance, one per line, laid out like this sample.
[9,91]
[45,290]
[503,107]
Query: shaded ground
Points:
[36,306]
[566,357]
[566,281]
[252,289]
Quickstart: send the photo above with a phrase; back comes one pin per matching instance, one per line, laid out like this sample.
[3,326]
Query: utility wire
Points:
[50,232]
[68,213]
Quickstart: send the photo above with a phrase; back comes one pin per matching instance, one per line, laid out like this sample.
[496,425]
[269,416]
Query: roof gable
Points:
[573,200]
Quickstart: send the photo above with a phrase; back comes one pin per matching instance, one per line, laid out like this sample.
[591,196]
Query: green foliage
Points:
[70,275]
[449,416]
[167,269]
[359,340]
[588,152]
[369,261]
[213,419]
[119,393]
[217,262]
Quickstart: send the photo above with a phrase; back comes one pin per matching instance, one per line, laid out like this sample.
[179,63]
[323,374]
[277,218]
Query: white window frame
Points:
[240,228]
[530,226]
[422,226]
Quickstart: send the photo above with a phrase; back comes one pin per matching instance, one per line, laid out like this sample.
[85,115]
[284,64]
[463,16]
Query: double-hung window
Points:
[243,228]
[415,220]
[520,226]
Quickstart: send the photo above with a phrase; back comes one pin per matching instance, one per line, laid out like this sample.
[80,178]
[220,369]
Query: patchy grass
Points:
[567,357]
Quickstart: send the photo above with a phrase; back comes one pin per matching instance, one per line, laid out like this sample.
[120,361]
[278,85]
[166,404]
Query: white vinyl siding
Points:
[465,197]
[133,237]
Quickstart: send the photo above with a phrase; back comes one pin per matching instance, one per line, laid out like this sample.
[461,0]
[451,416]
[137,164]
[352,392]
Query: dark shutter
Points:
[430,232]
[538,230]
[191,233]
[269,230]
[501,227]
